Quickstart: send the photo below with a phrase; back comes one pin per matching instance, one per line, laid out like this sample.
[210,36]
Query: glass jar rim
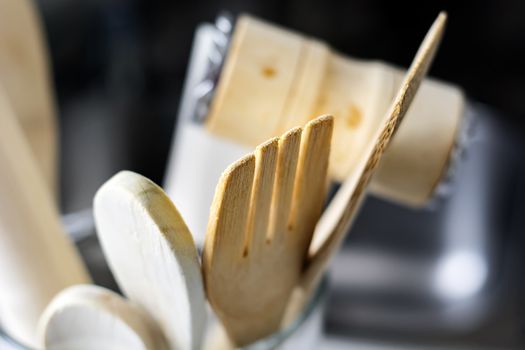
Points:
[269,342]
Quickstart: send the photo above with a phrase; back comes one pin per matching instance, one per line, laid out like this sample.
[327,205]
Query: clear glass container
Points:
[305,333]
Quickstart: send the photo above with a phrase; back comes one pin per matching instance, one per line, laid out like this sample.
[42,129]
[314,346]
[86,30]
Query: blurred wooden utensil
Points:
[86,317]
[273,78]
[25,75]
[262,218]
[337,218]
[152,255]
[37,259]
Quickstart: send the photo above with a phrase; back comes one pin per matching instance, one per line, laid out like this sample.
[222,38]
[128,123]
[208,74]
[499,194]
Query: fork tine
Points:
[289,145]
[261,200]
[226,230]
[310,181]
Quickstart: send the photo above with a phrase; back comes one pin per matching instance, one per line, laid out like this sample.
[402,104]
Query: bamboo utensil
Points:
[256,84]
[24,73]
[152,255]
[338,217]
[37,259]
[87,317]
[262,217]
[274,78]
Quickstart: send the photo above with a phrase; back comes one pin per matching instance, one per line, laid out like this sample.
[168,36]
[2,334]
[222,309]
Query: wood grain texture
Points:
[37,259]
[87,317]
[310,183]
[261,222]
[338,217]
[288,156]
[25,76]
[248,62]
[261,198]
[309,79]
[152,255]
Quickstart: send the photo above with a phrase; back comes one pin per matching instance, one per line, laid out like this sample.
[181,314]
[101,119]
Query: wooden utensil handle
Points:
[274,79]
[25,76]
[37,260]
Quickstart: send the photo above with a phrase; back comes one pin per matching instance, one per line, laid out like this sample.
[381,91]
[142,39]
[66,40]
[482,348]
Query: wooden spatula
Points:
[338,217]
[87,317]
[152,255]
[261,221]
[24,73]
[37,260]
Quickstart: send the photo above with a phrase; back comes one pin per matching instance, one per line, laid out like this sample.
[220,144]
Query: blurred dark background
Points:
[119,66]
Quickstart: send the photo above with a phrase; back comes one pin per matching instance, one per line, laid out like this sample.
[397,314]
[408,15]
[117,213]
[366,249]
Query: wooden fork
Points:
[261,221]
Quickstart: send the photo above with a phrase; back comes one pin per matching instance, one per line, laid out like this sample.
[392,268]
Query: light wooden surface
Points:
[87,317]
[261,221]
[24,73]
[248,60]
[152,255]
[274,79]
[336,220]
[37,259]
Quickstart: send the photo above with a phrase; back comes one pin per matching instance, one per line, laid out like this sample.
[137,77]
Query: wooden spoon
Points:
[37,259]
[261,221]
[87,317]
[337,219]
[24,73]
[152,255]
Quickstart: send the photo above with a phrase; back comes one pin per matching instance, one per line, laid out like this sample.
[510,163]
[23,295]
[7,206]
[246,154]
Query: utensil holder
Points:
[304,333]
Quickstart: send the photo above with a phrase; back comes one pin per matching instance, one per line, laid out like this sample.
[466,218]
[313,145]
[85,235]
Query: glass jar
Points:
[305,333]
